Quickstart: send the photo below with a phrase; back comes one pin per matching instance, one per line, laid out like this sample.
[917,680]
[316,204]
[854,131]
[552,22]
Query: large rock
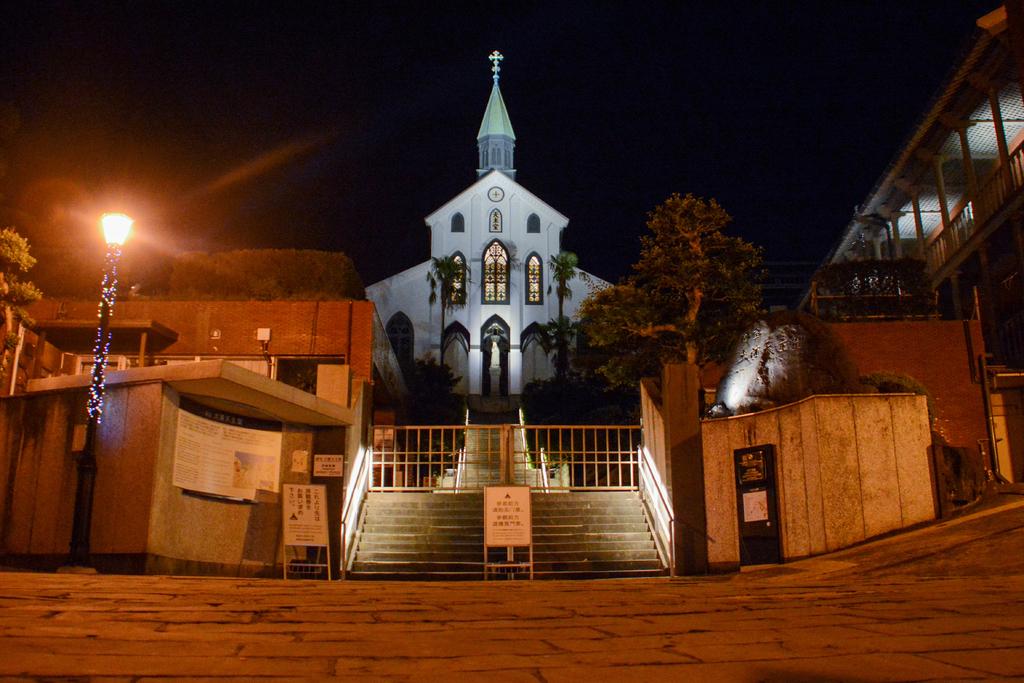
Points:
[780,359]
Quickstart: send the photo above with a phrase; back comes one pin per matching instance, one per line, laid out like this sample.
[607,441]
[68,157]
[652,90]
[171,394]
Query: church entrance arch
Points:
[401,334]
[456,355]
[494,347]
[536,365]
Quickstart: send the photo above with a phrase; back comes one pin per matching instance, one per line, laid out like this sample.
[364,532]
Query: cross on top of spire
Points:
[496,58]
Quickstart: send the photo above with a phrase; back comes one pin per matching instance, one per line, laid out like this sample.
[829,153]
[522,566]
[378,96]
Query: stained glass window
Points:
[534,280]
[495,287]
[495,221]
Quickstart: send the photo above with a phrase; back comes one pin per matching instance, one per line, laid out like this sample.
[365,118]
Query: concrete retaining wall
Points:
[39,473]
[141,521]
[847,468]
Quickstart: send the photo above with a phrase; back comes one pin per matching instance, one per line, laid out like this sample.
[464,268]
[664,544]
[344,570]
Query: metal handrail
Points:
[355,494]
[545,477]
[663,524]
[460,469]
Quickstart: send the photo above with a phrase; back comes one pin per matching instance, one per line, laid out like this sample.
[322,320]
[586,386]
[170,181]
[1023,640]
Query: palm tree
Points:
[563,270]
[448,277]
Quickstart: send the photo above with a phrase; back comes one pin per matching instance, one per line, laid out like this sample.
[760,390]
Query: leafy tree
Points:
[579,399]
[265,274]
[447,278]
[431,399]
[561,331]
[15,294]
[691,294]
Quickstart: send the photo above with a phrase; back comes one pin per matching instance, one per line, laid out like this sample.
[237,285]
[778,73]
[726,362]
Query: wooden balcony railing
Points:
[993,194]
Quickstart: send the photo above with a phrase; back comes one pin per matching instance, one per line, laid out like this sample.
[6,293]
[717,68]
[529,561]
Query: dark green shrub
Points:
[897,383]
[265,274]
[431,399]
[875,289]
[579,399]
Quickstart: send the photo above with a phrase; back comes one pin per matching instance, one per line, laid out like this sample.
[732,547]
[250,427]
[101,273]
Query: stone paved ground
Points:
[943,603]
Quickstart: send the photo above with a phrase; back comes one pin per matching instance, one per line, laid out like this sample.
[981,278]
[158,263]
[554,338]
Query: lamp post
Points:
[116,227]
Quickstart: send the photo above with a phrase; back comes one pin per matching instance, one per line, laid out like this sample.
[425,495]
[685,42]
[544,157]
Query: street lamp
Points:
[116,227]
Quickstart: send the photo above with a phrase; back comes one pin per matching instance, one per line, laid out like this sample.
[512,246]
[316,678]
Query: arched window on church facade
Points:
[533,223]
[459,284]
[458,223]
[534,279]
[495,279]
[400,334]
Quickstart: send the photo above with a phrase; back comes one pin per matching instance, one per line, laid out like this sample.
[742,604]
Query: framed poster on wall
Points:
[223,454]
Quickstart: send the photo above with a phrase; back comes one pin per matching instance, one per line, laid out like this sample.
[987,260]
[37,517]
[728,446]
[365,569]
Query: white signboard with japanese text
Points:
[224,454]
[304,513]
[507,516]
[328,465]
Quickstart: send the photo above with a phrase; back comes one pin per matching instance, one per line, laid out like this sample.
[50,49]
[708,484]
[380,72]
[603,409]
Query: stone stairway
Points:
[592,535]
[483,458]
[425,536]
[421,536]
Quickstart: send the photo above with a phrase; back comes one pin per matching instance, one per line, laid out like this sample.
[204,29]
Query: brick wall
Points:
[299,328]
[937,354]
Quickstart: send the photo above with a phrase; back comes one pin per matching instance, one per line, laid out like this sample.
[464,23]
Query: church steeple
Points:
[496,142]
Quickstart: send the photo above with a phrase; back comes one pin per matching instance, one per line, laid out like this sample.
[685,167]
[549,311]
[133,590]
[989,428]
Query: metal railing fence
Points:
[420,458]
[464,458]
[575,457]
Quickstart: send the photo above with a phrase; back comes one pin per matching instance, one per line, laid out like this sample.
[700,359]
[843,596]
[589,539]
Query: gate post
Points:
[684,464]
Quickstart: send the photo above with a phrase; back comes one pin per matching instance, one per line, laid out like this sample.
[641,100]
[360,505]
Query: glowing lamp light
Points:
[116,227]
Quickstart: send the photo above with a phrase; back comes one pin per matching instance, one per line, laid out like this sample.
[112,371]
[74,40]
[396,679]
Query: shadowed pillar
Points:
[684,462]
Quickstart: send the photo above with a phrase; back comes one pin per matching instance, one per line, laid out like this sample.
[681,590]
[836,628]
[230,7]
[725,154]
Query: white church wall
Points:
[408,293]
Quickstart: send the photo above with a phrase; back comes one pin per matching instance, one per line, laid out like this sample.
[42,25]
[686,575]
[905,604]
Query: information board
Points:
[225,454]
[304,515]
[507,516]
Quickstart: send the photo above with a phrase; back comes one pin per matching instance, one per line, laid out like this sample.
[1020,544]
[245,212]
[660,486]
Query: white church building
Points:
[506,236]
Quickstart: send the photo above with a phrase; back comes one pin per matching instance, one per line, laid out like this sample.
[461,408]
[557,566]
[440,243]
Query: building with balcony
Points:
[953,196]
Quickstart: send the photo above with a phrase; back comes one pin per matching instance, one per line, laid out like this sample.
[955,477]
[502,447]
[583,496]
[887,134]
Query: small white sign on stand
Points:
[508,522]
[304,520]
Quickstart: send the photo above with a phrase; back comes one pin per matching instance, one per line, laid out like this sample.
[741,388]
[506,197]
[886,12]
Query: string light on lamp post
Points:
[116,227]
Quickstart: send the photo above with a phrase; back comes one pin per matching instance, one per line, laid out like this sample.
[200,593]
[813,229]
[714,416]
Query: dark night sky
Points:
[341,128]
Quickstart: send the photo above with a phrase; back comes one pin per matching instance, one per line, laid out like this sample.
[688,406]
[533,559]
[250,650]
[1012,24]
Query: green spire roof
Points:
[496,121]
